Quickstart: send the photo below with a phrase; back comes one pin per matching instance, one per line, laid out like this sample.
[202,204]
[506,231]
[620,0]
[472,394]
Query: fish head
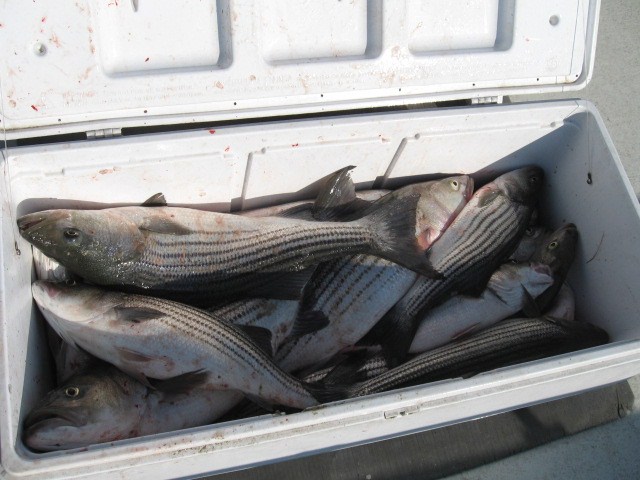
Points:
[439,203]
[558,250]
[511,279]
[91,243]
[521,185]
[101,406]
[76,311]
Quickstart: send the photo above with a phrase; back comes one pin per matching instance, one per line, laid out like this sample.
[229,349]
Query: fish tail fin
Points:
[394,333]
[327,393]
[393,224]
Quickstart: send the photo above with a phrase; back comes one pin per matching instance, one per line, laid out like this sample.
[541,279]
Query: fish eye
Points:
[71,235]
[455,184]
[553,245]
[72,391]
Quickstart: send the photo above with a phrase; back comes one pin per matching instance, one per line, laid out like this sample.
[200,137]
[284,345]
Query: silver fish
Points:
[154,338]
[508,342]
[197,256]
[508,290]
[481,237]
[106,405]
[354,292]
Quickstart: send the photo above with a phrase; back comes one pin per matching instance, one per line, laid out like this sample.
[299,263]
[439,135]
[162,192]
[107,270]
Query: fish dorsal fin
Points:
[136,314]
[309,322]
[156,200]
[337,190]
[181,384]
[162,224]
[260,336]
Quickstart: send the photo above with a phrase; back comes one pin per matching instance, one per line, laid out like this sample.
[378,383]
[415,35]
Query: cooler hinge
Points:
[480,100]
[104,133]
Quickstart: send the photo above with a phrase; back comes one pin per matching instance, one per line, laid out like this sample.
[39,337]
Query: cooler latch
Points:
[480,100]
[104,133]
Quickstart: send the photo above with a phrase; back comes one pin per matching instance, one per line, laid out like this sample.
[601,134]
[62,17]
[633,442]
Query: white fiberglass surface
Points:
[121,63]
[241,167]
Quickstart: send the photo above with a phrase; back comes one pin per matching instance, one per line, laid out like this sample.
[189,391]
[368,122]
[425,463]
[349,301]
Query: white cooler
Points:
[289,92]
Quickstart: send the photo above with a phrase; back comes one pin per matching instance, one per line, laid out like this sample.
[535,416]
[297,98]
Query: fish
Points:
[533,237]
[354,292]
[508,290]
[199,257]
[564,304]
[156,339]
[68,360]
[106,405]
[506,343]
[557,251]
[480,238]
[281,317]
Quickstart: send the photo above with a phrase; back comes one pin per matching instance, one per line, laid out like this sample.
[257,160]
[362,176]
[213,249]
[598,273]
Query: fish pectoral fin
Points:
[164,225]
[529,306]
[283,285]
[136,314]
[181,384]
[309,322]
[133,356]
[156,200]
[262,337]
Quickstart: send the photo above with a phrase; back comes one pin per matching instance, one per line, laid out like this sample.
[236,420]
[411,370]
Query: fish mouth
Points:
[51,416]
[29,221]
[33,221]
[43,289]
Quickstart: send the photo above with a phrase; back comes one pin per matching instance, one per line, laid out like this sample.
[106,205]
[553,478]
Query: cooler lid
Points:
[97,64]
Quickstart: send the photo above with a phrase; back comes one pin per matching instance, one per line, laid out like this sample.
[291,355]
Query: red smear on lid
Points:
[212,132]
[34,107]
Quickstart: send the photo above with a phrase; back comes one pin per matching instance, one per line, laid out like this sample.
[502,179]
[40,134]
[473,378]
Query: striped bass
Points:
[508,290]
[354,292]
[106,405]
[154,338]
[481,237]
[199,256]
[508,342]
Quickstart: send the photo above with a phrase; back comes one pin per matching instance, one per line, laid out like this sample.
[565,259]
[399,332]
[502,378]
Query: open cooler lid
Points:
[97,64]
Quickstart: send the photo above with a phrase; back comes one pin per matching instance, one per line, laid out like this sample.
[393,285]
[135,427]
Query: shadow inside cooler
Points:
[251,166]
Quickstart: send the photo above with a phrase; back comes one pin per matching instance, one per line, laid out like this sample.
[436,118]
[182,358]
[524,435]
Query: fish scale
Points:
[508,341]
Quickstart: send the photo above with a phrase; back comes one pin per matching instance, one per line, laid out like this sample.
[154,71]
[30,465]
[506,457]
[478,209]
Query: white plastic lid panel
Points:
[73,66]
